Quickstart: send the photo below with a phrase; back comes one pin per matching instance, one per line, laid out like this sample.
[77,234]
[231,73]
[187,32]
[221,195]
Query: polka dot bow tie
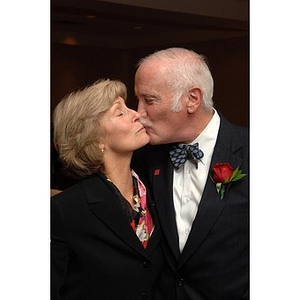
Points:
[182,152]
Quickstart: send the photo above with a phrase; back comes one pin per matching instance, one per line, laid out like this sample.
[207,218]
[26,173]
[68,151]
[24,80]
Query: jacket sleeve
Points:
[59,250]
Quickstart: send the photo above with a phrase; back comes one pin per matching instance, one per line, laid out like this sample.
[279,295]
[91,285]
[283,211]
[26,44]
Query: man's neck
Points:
[196,125]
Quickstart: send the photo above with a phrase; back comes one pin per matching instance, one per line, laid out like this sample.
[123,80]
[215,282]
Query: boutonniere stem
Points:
[223,174]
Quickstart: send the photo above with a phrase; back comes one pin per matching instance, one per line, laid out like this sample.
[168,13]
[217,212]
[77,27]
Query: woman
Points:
[104,234]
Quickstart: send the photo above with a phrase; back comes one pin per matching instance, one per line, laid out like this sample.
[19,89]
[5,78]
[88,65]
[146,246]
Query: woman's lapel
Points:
[103,203]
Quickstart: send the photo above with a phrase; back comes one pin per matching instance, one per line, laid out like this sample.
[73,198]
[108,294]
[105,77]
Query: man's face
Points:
[154,104]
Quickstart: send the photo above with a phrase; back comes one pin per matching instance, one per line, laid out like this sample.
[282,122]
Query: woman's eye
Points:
[121,113]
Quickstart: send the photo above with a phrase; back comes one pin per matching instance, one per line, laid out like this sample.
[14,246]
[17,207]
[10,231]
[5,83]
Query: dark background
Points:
[105,39]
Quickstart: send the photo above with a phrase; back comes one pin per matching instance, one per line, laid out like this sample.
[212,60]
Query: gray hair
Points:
[185,69]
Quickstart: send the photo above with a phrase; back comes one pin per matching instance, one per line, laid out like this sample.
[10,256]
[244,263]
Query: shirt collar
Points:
[208,137]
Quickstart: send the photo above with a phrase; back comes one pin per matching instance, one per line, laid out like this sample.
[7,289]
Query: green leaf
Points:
[238,177]
[222,192]
[234,173]
[227,180]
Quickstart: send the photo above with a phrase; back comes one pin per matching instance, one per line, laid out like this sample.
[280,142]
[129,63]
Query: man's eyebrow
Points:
[148,95]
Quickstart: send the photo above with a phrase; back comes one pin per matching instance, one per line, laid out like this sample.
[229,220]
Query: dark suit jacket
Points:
[214,261]
[95,254]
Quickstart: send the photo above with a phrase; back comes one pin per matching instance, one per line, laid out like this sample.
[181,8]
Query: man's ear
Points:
[194,99]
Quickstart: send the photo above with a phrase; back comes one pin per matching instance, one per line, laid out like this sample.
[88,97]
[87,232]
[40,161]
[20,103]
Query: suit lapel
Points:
[156,235]
[103,203]
[211,205]
[162,184]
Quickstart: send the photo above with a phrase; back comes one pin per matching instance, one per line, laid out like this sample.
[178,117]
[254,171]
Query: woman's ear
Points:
[194,99]
[101,147]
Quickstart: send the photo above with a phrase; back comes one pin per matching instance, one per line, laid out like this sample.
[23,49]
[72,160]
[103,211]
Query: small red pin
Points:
[156,172]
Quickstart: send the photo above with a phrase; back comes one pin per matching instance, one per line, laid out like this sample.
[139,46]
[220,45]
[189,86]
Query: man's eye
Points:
[149,100]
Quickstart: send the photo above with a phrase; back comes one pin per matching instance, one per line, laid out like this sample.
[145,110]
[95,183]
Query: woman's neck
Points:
[119,172]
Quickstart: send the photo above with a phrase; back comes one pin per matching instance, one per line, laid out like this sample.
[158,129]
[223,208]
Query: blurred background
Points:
[92,39]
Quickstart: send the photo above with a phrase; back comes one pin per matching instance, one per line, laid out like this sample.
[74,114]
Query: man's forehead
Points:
[153,66]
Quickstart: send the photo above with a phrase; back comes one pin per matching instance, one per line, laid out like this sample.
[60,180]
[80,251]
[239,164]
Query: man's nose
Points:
[141,109]
[136,115]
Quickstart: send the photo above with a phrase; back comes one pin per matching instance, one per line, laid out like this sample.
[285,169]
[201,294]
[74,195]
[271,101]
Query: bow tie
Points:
[182,152]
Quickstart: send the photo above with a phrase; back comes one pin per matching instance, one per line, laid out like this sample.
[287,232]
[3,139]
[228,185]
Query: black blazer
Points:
[214,261]
[95,254]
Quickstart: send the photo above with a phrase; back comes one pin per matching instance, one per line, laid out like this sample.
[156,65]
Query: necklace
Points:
[139,216]
[137,202]
[135,197]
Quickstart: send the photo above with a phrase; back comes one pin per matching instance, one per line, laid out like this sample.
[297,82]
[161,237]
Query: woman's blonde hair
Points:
[77,125]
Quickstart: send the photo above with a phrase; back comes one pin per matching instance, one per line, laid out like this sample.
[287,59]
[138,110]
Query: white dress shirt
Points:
[189,182]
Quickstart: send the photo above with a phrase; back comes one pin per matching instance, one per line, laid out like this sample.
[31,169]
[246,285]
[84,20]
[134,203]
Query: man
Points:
[204,217]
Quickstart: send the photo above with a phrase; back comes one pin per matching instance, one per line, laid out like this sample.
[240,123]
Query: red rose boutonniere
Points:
[223,173]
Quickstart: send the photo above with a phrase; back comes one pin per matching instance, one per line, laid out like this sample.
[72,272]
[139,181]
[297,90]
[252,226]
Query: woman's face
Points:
[123,132]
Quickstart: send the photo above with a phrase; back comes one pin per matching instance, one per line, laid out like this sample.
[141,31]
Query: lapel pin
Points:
[156,172]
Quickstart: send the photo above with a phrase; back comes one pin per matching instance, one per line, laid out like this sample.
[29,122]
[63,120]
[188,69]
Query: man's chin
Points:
[154,139]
